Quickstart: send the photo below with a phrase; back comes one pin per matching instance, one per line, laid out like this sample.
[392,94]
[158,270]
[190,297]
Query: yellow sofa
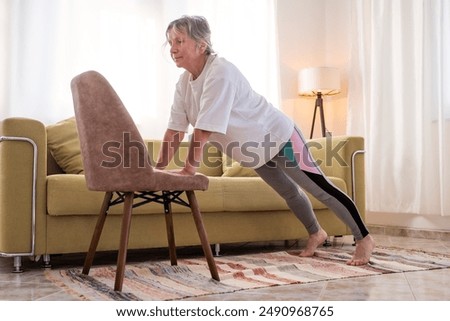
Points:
[45,211]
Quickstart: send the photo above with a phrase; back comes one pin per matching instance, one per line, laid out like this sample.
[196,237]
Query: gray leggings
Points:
[284,175]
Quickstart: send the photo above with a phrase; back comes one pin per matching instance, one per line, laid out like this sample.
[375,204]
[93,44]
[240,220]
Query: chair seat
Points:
[164,180]
[155,180]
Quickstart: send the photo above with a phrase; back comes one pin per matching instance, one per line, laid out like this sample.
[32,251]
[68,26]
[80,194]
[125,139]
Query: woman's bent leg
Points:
[295,198]
[297,201]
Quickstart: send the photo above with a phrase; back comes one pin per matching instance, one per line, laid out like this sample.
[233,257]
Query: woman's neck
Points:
[198,67]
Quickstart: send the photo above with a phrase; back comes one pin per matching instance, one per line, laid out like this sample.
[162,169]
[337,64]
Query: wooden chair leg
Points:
[97,233]
[124,236]
[202,234]
[170,234]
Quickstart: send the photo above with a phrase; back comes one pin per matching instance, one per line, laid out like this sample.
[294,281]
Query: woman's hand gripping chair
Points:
[103,125]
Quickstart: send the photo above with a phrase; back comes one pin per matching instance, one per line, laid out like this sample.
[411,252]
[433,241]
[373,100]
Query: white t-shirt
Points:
[243,124]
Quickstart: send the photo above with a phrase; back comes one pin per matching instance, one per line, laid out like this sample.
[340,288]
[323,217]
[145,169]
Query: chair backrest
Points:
[113,151]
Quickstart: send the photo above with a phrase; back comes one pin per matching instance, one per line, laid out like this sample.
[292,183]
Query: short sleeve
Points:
[178,118]
[216,104]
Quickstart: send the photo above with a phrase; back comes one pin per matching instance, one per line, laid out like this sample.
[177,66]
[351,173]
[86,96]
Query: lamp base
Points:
[319,106]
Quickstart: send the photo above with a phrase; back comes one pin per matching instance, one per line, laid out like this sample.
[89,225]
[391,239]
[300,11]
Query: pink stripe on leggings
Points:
[304,159]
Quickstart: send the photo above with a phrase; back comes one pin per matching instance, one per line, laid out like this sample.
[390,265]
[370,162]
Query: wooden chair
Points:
[116,162]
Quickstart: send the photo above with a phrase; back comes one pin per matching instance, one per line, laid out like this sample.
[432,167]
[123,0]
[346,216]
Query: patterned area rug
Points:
[158,280]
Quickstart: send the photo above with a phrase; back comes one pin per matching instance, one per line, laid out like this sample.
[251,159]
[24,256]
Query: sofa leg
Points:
[17,268]
[46,261]
[217,249]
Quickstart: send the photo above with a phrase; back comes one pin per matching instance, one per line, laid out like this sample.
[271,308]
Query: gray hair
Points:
[196,27]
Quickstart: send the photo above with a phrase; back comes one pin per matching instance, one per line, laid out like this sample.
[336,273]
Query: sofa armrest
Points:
[343,157]
[23,174]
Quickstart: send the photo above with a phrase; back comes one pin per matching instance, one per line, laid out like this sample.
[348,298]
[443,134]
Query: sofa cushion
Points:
[68,195]
[232,168]
[64,145]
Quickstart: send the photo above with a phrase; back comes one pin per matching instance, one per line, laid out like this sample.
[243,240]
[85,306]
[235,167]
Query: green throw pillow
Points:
[64,145]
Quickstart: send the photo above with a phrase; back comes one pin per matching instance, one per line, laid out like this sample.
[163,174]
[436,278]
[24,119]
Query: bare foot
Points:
[314,241]
[363,251]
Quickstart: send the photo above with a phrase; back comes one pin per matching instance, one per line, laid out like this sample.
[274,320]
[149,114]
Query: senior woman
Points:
[216,99]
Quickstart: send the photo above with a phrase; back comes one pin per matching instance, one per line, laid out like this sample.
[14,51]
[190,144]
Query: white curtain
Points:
[399,100]
[45,43]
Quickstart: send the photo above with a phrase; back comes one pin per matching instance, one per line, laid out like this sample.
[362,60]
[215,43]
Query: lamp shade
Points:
[326,80]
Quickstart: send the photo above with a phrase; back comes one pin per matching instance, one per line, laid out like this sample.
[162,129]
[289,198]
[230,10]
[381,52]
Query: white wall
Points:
[4,21]
[313,33]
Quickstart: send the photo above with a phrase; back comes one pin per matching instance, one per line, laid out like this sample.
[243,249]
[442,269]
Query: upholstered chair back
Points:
[114,155]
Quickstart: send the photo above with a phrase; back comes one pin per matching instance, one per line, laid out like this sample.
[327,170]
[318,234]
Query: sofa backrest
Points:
[62,156]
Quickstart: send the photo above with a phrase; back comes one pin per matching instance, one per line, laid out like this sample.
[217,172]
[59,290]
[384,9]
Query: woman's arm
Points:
[195,153]
[170,144]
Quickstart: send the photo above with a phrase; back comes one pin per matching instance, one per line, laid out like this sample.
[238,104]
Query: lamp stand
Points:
[319,105]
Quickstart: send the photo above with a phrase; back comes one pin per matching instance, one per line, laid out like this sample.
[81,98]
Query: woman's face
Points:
[184,50]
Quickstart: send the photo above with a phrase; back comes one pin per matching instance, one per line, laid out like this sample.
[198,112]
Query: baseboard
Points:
[410,225]
[409,232]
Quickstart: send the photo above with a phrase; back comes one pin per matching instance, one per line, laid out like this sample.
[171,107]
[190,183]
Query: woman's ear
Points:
[202,47]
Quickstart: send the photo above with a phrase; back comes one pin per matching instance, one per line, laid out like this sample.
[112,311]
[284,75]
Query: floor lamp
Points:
[318,82]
